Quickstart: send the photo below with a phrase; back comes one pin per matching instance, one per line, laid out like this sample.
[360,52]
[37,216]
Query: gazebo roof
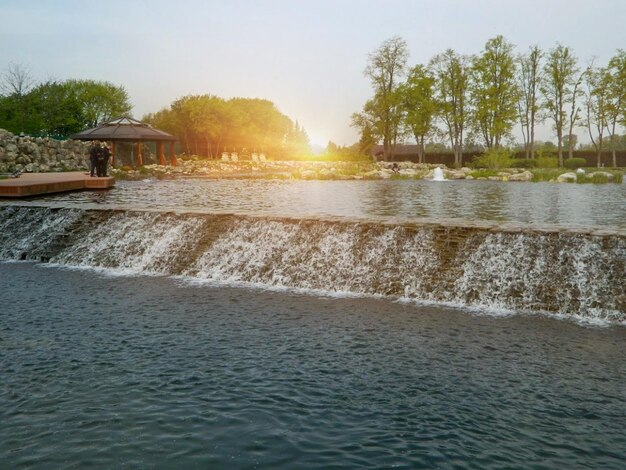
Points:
[124,129]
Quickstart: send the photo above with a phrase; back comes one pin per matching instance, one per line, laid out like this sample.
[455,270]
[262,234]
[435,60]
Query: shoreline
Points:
[355,171]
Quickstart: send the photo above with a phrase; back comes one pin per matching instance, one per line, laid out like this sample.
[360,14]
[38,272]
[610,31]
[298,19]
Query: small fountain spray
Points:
[438,175]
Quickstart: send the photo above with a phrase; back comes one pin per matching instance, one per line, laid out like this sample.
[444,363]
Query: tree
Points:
[208,124]
[386,66]
[16,81]
[560,73]
[574,114]
[419,105]
[616,105]
[530,76]
[494,91]
[451,72]
[597,106]
[54,110]
[15,85]
[101,101]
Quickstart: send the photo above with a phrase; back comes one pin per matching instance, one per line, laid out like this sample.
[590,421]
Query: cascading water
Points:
[574,273]
[438,174]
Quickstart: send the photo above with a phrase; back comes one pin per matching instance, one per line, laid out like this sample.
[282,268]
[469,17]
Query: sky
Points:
[307,57]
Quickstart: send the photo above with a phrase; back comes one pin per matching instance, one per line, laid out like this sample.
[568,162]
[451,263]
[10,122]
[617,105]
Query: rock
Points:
[566,178]
[469,177]
[494,178]
[455,175]
[408,172]
[524,176]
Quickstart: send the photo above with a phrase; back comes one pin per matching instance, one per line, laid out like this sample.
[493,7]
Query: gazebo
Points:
[127,129]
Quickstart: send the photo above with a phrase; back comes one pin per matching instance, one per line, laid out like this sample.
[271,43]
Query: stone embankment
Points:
[41,154]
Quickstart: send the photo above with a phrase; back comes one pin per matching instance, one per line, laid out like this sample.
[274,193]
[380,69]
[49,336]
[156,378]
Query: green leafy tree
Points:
[419,105]
[529,78]
[597,107]
[383,114]
[451,72]
[207,125]
[561,73]
[55,110]
[101,101]
[494,92]
[616,105]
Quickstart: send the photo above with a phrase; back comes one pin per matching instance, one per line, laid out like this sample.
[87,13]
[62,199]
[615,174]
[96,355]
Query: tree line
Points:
[57,108]
[207,125]
[472,100]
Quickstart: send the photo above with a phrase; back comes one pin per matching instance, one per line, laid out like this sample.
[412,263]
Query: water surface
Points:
[570,205]
[141,372]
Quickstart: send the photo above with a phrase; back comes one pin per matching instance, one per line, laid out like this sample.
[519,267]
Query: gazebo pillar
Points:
[173,155]
[139,157]
[112,153]
[161,154]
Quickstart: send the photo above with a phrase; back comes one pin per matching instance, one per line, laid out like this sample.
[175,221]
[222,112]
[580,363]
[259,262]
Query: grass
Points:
[551,174]
[546,174]
[484,173]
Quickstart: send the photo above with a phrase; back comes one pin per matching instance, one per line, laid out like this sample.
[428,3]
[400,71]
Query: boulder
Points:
[523,176]
[566,178]
[455,174]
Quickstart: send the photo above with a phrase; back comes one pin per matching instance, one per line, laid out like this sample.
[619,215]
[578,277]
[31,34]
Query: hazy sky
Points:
[306,56]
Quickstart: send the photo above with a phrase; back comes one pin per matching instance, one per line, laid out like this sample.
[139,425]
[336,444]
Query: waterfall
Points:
[559,272]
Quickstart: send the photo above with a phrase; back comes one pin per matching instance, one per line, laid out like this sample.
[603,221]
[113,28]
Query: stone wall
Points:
[41,154]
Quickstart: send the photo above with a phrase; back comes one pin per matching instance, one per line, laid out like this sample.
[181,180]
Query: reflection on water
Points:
[538,203]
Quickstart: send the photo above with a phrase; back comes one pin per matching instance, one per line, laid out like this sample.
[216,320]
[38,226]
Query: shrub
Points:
[523,163]
[545,174]
[493,159]
[574,163]
[547,162]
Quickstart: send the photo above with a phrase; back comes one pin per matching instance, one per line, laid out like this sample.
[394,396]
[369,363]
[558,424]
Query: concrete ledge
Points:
[34,184]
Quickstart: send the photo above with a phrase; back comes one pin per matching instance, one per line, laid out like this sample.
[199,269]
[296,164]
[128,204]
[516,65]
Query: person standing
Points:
[94,150]
[103,160]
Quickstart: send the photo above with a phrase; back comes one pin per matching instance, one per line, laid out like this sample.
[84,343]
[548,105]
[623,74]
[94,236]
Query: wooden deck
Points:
[34,184]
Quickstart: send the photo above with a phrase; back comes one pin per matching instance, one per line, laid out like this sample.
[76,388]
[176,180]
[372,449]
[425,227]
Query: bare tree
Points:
[16,80]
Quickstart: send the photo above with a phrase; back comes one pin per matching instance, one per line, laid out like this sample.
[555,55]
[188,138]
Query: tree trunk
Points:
[532,141]
[614,155]
[570,148]
[559,136]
